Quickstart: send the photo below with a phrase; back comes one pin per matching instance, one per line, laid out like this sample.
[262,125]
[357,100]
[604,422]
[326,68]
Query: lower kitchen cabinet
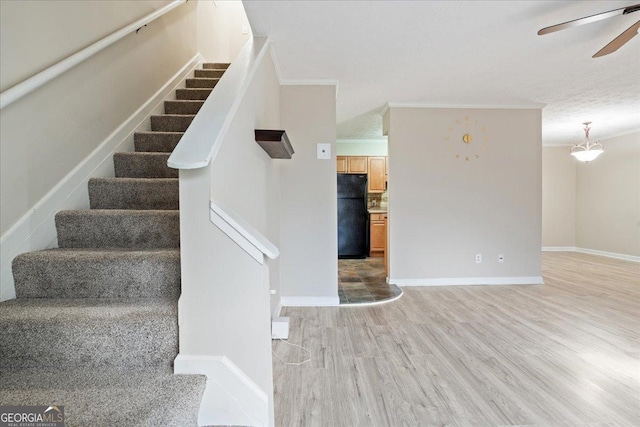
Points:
[378,235]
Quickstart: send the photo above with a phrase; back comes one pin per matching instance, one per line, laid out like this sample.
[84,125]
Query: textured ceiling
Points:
[460,53]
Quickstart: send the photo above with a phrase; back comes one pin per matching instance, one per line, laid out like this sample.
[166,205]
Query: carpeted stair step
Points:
[134,193]
[109,397]
[182,106]
[164,142]
[171,122]
[143,165]
[118,228]
[202,83]
[94,273]
[215,65]
[88,332]
[200,94]
[210,74]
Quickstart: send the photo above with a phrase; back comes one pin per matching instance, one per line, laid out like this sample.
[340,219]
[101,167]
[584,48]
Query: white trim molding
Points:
[373,303]
[614,255]
[300,82]
[231,397]
[310,301]
[532,106]
[36,230]
[469,281]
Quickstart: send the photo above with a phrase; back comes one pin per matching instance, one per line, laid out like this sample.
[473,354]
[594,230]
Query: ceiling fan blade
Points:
[619,41]
[590,19]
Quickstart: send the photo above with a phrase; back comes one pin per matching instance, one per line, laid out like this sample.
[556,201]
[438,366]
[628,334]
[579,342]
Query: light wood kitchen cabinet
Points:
[356,164]
[351,164]
[341,164]
[378,235]
[377,176]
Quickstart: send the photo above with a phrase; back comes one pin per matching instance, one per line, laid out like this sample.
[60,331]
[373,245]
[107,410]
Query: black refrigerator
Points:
[353,217]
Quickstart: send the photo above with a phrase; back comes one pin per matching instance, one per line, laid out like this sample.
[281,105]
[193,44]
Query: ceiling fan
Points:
[614,44]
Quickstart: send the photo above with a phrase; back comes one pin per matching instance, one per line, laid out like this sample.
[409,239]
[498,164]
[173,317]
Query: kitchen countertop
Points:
[377,210]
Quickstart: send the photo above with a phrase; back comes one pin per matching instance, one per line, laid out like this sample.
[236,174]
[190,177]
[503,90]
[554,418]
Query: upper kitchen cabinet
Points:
[341,164]
[351,164]
[377,174]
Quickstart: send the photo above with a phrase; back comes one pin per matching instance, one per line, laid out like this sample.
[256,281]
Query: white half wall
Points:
[558,197]
[608,198]
[308,210]
[450,200]
[245,178]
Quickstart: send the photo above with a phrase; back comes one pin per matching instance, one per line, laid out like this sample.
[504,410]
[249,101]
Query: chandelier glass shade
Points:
[587,151]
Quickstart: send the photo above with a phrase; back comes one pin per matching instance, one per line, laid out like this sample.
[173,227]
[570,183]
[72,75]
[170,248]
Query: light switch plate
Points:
[324,151]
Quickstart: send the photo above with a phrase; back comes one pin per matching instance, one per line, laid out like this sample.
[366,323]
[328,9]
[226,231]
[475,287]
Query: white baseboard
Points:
[614,255]
[310,301]
[35,230]
[558,249]
[231,397]
[623,257]
[468,281]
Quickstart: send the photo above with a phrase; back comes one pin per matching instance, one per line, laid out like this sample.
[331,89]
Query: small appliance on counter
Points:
[353,217]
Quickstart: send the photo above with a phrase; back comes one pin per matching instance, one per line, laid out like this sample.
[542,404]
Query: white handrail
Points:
[29,85]
[242,232]
[202,140]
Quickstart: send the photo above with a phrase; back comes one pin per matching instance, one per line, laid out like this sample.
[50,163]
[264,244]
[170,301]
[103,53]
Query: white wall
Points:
[46,134]
[308,229]
[443,210]
[608,198]
[245,178]
[220,25]
[355,147]
[558,198]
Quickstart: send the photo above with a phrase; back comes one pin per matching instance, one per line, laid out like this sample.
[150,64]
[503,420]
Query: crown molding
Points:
[361,141]
[299,82]
[531,106]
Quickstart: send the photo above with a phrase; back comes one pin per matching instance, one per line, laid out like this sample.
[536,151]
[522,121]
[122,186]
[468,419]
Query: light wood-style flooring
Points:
[561,354]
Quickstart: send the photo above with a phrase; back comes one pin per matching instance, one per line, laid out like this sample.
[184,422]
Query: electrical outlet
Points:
[500,257]
[478,258]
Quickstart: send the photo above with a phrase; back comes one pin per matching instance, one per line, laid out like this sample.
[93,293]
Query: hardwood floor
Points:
[562,354]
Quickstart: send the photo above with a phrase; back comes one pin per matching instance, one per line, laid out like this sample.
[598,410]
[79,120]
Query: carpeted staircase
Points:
[95,323]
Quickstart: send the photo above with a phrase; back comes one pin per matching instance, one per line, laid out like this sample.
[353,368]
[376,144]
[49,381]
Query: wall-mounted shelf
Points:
[275,143]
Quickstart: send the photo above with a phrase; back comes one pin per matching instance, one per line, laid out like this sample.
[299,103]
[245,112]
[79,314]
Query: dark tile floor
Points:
[364,281]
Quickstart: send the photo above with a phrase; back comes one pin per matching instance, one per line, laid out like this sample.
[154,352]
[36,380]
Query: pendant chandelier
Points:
[587,150]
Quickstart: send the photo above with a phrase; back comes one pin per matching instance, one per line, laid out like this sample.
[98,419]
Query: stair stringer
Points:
[231,397]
